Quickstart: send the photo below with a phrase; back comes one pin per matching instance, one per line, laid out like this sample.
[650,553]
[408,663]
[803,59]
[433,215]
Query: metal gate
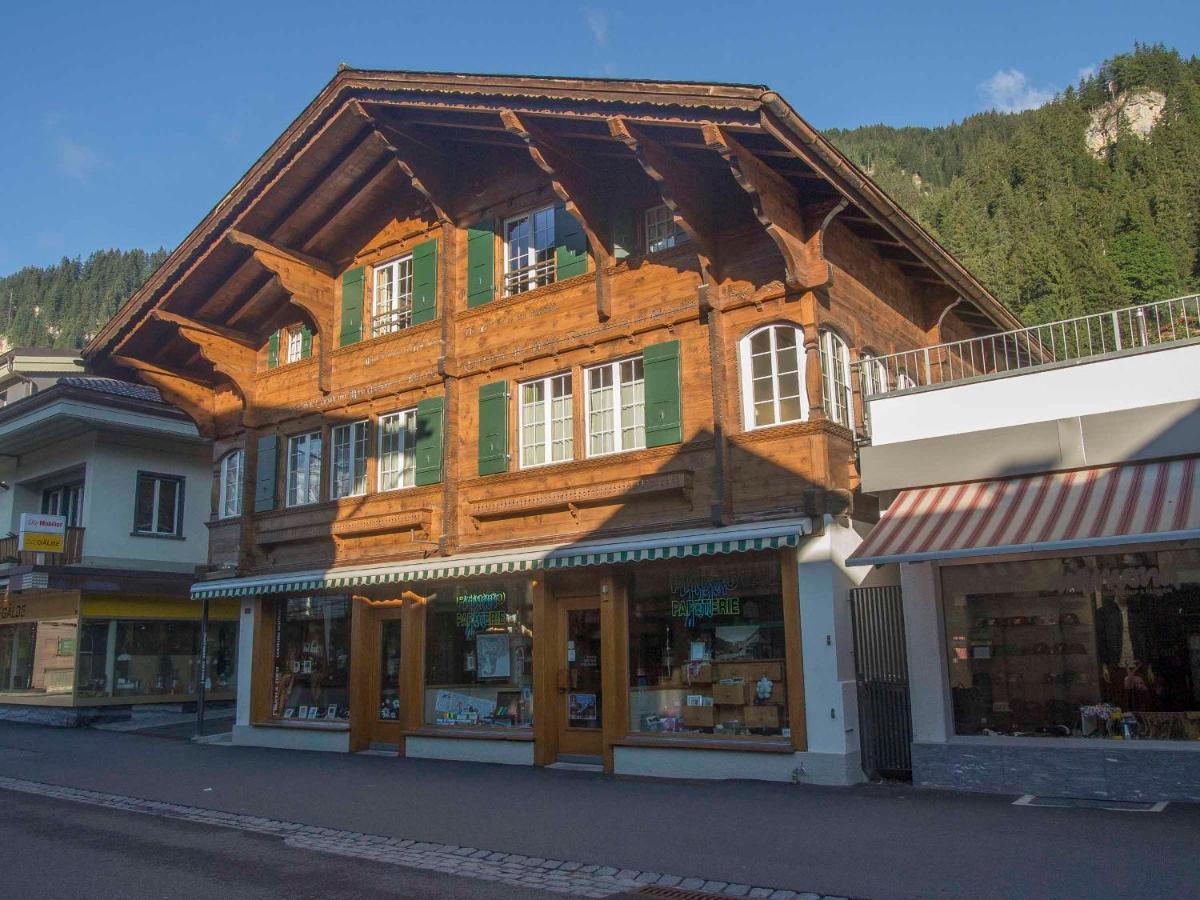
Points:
[881,670]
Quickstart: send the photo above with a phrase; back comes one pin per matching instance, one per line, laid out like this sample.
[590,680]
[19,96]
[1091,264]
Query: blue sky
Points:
[126,121]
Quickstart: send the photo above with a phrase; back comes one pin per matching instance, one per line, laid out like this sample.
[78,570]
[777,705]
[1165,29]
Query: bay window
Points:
[616,407]
[772,387]
[229,494]
[836,393]
[546,421]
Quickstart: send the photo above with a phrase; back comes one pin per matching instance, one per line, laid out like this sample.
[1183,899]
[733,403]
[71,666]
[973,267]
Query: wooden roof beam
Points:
[231,353]
[573,183]
[778,209]
[190,394]
[345,202]
[681,187]
[418,162]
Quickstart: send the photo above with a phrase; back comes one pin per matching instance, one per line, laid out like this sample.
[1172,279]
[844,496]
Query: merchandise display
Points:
[707,649]
[389,669]
[312,659]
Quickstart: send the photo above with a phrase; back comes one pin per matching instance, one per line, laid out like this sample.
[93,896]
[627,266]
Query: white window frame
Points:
[837,392]
[399,315]
[295,344]
[297,479]
[620,443]
[229,494]
[405,451]
[662,233]
[530,274]
[565,447]
[873,374]
[747,376]
[348,445]
[175,482]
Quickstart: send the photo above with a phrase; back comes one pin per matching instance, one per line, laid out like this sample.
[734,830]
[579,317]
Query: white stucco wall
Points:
[928,676]
[1107,385]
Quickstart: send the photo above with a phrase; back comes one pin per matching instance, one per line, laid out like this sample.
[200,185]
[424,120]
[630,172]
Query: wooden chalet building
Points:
[533,419]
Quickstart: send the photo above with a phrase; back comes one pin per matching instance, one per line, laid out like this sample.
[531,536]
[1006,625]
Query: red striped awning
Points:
[1098,507]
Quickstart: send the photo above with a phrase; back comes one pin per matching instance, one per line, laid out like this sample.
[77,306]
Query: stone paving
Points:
[553,875]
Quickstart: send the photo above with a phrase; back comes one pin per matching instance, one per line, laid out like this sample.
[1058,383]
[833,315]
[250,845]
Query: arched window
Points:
[772,386]
[229,497]
[873,374]
[835,378]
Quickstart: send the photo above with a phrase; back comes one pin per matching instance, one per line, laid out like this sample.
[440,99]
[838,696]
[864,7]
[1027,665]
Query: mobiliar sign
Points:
[43,533]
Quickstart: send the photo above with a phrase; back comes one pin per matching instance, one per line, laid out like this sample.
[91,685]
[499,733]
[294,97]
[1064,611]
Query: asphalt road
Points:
[55,849]
[873,841]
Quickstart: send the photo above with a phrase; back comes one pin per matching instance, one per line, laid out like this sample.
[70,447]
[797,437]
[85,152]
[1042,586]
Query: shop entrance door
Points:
[580,706]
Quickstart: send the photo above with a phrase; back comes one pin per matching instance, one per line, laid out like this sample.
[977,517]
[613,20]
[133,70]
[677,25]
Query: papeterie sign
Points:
[43,533]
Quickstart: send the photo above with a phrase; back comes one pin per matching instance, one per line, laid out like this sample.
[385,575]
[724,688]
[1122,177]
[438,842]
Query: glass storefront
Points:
[312,659]
[1089,646]
[140,658]
[38,658]
[479,655]
[707,648]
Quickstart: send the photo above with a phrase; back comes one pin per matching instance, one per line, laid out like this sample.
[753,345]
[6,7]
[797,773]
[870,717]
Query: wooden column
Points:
[794,644]
[262,663]
[545,666]
[364,656]
[614,638]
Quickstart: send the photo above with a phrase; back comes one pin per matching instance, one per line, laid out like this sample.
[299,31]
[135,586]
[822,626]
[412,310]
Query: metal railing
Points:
[72,551]
[1132,329]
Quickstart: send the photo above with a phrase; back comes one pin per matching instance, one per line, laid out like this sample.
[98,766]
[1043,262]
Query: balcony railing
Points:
[1132,329]
[72,552]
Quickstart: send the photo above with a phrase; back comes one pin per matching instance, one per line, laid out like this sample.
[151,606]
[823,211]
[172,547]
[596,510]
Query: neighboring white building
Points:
[26,370]
[1043,510]
[108,622]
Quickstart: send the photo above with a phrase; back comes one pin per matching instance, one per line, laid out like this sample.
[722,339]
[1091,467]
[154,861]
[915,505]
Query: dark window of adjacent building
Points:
[64,500]
[158,506]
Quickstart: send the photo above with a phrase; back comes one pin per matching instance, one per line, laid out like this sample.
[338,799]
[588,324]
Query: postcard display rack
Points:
[1030,669]
[724,697]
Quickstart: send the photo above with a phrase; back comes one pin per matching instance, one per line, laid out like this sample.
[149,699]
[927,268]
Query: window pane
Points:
[312,659]
[789,409]
[562,438]
[761,343]
[764,413]
[389,670]
[144,504]
[760,366]
[785,338]
[168,504]
[600,411]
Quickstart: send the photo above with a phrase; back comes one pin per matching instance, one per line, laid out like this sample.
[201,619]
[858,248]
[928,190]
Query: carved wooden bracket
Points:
[418,162]
[575,186]
[681,186]
[232,353]
[184,391]
[778,209]
[309,283]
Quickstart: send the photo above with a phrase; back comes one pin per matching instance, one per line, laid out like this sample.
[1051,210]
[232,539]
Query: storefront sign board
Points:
[42,533]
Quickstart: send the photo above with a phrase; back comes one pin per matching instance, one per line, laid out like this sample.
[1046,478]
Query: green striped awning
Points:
[640,548]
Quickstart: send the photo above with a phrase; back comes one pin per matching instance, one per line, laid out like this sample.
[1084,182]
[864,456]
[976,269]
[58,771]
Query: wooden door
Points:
[580,707]
[376,710]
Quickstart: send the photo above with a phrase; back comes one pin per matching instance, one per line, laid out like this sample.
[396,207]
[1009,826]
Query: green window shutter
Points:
[481,264]
[493,428]
[429,440]
[624,236]
[352,306]
[305,342]
[570,244]
[264,473]
[273,350]
[424,267]
[664,424]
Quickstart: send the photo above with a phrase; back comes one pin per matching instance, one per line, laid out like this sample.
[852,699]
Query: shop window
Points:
[616,407]
[479,656]
[546,421]
[529,251]
[389,670]
[391,308]
[1090,646]
[835,378]
[707,649]
[772,386]
[229,493]
[312,659]
[138,658]
[397,450]
[64,500]
[304,469]
[662,232]
[158,505]
[348,464]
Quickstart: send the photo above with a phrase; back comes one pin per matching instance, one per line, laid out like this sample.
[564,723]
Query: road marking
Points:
[553,875]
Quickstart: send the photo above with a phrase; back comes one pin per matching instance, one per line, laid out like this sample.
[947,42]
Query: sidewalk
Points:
[870,841]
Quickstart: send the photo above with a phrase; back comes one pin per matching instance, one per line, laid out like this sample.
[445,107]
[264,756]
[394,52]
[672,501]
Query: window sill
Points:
[707,742]
[160,537]
[473,734]
[303,726]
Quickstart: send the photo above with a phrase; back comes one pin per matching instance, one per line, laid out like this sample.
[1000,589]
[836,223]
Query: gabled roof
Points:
[342,145]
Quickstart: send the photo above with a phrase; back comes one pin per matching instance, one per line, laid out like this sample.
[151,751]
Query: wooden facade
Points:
[767,224]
